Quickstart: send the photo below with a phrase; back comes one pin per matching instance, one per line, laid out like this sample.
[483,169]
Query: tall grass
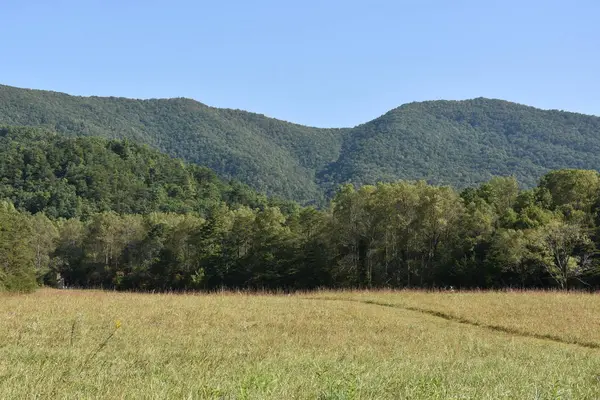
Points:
[572,317]
[66,344]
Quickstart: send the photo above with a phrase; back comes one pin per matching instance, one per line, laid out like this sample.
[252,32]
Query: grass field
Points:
[325,345]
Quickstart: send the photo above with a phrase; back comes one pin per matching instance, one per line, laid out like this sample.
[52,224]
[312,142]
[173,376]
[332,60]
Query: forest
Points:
[457,143]
[98,213]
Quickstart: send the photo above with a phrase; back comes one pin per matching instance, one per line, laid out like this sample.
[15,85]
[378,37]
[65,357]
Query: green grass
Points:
[301,346]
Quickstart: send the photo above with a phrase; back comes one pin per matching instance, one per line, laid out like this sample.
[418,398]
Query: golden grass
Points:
[262,346]
[572,317]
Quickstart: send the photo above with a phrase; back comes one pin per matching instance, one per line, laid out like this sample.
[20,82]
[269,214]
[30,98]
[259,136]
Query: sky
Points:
[327,63]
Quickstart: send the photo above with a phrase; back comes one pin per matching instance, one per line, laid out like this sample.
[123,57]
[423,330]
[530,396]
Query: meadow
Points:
[320,345]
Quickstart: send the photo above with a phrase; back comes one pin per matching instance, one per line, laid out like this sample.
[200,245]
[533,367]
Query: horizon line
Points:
[292,122]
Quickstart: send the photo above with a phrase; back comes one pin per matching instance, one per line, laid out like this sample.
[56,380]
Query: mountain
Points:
[77,177]
[464,143]
[270,155]
[460,143]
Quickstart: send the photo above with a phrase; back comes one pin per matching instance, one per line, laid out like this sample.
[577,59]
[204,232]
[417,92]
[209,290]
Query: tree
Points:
[565,250]
[501,193]
[510,250]
[67,263]
[44,236]
[573,192]
[439,214]
[17,254]
[352,229]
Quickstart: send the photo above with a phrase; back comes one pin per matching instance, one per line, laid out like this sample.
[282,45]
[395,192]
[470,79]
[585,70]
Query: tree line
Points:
[397,235]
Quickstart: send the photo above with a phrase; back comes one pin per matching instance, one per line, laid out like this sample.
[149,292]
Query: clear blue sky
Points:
[322,63]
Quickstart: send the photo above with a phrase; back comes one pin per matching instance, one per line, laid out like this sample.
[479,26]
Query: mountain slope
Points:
[271,155]
[76,177]
[461,143]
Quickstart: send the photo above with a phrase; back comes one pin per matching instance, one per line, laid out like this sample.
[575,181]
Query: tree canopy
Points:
[456,143]
[391,235]
[77,177]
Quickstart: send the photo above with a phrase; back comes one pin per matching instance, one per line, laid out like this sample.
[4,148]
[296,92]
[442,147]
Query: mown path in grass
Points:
[466,321]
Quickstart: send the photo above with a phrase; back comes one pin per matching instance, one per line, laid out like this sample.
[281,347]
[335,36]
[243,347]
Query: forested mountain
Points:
[76,177]
[464,143]
[461,143]
[270,155]
[94,205]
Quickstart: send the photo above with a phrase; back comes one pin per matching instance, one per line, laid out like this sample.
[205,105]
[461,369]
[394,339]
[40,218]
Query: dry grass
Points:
[570,317]
[239,346]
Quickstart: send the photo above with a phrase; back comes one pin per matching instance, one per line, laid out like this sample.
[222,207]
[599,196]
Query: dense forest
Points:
[272,156]
[89,212]
[456,143]
[65,177]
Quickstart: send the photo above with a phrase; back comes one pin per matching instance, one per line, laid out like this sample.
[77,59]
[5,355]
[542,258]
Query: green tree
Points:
[44,237]
[565,250]
[17,254]
[510,250]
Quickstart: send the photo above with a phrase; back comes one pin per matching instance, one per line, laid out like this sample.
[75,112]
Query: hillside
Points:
[464,143]
[460,143]
[76,177]
[272,156]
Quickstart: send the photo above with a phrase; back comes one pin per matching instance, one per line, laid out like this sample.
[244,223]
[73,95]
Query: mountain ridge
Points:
[258,113]
[455,142]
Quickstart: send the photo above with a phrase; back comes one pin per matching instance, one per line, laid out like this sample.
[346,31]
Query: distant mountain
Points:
[463,143]
[460,143]
[270,155]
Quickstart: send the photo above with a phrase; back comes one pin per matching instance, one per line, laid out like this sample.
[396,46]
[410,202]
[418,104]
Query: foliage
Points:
[77,177]
[402,234]
[17,255]
[457,143]
[91,212]
[466,143]
[272,156]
